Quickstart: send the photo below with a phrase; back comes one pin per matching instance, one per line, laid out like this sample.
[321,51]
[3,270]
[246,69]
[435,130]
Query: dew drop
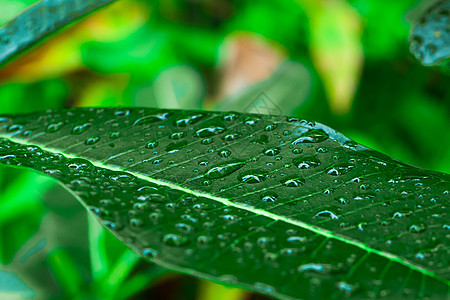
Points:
[178,135]
[136,222]
[253,176]
[230,117]
[322,150]
[346,288]
[54,127]
[420,256]
[269,197]
[112,225]
[78,164]
[270,127]
[362,225]
[155,217]
[251,121]
[417,228]
[120,113]
[224,153]
[365,197]
[292,120]
[268,289]
[175,147]
[115,135]
[397,215]
[293,182]
[174,240]
[263,241]
[318,268]
[312,267]
[311,136]
[15,128]
[272,151]
[229,218]
[327,214]
[184,228]
[308,162]
[341,200]
[190,120]
[295,239]
[203,241]
[231,137]
[151,144]
[95,210]
[339,169]
[224,169]
[351,145]
[151,197]
[288,251]
[402,214]
[151,119]
[209,131]
[207,141]
[81,128]
[297,150]
[149,253]
[92,140]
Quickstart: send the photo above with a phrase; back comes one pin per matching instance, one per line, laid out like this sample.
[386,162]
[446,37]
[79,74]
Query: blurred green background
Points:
[343,63]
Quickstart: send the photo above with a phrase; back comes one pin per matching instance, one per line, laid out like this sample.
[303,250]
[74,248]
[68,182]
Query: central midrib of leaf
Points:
[256,211]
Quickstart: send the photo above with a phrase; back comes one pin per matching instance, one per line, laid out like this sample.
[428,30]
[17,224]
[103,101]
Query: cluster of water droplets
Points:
[299,170]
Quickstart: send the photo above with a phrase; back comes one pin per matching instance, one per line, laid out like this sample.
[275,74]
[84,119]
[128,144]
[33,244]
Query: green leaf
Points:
[281,206]
[40,20]
[430,37]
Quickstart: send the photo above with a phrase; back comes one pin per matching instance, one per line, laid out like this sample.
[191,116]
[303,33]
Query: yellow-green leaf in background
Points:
[336,49]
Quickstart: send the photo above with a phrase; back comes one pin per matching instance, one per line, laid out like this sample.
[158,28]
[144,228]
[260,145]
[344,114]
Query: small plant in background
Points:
[281,206]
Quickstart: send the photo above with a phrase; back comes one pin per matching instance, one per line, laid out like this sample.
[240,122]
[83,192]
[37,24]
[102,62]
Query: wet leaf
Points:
[294,210]
[40,20]
[430,36]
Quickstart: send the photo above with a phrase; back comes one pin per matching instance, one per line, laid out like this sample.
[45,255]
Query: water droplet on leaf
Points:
[224,169]
[81,128]
[272,151]
[253,176]
[54,127]
[311,136]
[174,240]
[308,162]
[92,140]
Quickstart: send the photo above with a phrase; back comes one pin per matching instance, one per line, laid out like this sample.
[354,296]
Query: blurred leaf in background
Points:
[345,63]
[335,46]
[11,8]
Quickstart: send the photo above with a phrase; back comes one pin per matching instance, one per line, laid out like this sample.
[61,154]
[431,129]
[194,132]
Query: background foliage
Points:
[343,63]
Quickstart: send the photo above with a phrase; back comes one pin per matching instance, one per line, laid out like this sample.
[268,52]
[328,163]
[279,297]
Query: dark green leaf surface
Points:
[40,20]
[430,37]
[285,207]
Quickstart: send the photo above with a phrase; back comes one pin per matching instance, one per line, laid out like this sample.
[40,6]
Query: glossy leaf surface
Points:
[40,20]
[285,207]
[430,37]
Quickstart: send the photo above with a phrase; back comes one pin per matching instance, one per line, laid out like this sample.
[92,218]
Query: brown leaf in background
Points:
[247,59]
